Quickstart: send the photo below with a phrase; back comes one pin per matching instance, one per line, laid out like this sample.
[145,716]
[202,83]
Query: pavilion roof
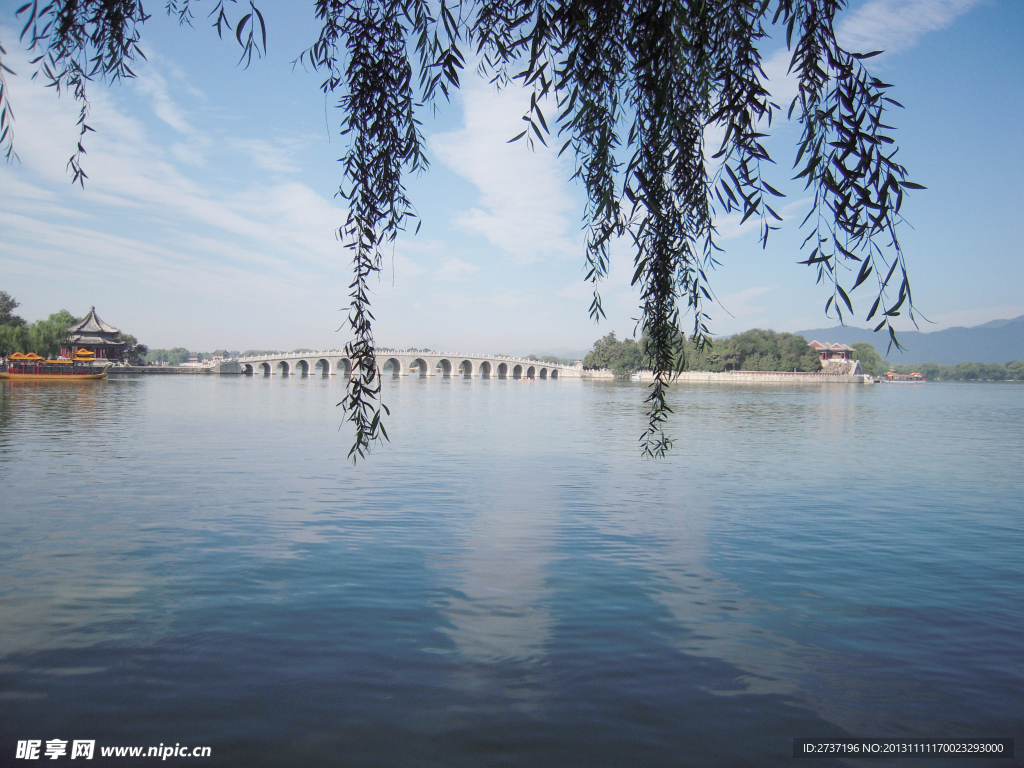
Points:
[831,347]
[92,324]
[94,341]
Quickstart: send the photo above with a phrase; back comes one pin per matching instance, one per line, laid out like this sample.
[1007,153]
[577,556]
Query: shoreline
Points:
[736,377]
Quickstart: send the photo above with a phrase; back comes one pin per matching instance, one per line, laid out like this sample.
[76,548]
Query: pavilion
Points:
[836,358]
[95,336]
[828,351]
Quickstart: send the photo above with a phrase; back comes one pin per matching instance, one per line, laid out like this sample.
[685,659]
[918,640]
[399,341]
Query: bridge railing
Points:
[403,352]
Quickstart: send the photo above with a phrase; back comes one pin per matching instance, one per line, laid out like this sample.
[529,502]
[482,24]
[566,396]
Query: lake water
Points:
[192,560]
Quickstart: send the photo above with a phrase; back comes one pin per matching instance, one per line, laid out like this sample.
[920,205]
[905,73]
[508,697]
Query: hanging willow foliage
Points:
[637,83]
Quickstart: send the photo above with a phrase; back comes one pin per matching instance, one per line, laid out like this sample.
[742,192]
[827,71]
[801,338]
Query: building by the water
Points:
[836,358]
[94,335]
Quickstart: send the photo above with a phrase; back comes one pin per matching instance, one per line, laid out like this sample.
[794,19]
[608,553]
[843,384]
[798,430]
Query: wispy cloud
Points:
[741,304]
[453,269]
[145,217]
[276,157]
[896,25]
[151,84]
[877,25]
[526,207]
[731,225]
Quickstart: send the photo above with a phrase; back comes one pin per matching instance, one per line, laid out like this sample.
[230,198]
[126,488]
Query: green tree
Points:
[134,353]
[556,360]
[46,337]
[968,371]
[992,371]
[754,350]
[623,357]
[932,371]
[870,361]
[637,84]
[7,307]
[43,337]
[174,356]
[13,333]
[13,338]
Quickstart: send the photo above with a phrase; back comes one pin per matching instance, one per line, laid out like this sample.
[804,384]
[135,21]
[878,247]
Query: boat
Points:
[903,378]
[32,367]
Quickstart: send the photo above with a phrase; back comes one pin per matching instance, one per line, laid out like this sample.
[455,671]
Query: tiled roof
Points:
[93,341]
[92,324]
[832,347]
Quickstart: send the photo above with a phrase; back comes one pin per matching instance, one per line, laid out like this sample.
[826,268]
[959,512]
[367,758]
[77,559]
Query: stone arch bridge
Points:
[400,362]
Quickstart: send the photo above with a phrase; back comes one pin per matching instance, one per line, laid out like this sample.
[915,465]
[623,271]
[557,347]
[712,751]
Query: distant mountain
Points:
[997,341]
[565,352]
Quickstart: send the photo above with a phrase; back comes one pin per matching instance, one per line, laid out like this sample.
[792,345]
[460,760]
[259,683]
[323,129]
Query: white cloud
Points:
[740,304]
[895,25]
[276,157]
[151,84]
[526,207]
[148,222]
[782,84]
[886,25]
[453,269]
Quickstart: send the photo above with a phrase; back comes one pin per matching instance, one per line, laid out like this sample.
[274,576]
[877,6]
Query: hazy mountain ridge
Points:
[997,341]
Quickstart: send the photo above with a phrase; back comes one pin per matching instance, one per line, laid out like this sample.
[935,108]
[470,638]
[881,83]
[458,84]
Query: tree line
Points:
[766,350]
[179,355]
[754,350]
[1012,371]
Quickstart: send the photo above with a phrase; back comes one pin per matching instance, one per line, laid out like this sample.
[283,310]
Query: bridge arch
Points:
[394,364]
[324,365]
[267,370]
[466,368]
[343,366]
[284,367]
[543,374]
[446,367]
[302,367]
[554,373]
[421,367]
[517,372]
[485,370]
[247,369]
[531,372]
[502,371]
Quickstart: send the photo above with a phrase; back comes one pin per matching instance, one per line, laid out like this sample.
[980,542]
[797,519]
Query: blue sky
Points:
[208,219]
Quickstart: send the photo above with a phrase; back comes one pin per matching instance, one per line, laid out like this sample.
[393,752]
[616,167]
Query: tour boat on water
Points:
[32,367]
[903,378]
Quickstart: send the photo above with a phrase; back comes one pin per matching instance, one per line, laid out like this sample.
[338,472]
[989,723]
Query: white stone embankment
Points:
[227,367]
[741,377]
[593,374]
[767,377]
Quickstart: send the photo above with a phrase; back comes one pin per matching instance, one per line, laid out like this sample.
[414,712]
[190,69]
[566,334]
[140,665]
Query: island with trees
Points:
[765,350]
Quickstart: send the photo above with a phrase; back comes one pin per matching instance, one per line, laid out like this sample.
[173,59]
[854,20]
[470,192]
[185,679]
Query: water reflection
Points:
[508,568]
